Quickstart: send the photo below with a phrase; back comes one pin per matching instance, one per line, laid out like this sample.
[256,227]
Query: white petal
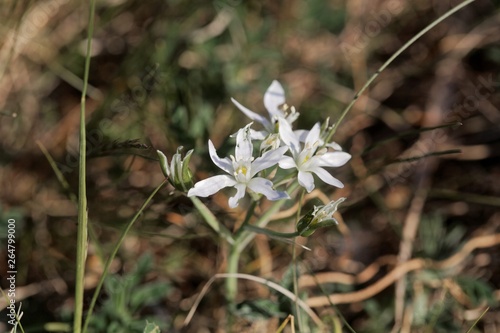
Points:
[334,146]
[313,135]
[333,159]
[267,160]
[274,97]
[223,163]
[254,135]
[287,162]
[240,193]
[327,177]
[265,186]
[252,115]
[306,180]
[258,135]
[244,146]
[288,136]
[301,135]
[211,185]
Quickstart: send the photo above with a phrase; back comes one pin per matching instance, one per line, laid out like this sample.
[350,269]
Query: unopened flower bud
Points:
[319,217]
[177,172]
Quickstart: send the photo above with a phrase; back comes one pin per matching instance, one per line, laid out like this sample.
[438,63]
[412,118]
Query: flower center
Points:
[304,156]
[242,171]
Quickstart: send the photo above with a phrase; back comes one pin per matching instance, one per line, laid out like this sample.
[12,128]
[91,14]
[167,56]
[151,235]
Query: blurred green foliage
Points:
[130,301]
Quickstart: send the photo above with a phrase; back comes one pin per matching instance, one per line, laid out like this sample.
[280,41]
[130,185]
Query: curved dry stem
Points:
[257,279]
[403,269]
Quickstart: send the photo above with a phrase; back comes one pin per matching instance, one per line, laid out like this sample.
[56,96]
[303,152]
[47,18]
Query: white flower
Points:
[308,160]
[241,170]
[275,103]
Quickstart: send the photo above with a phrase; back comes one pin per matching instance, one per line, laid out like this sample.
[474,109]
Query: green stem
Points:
[295,267]
[272,233]
[243,238]
[249,215]
[232,268]
[234,258]
[390,60]
[115,251]
[212,220]
[434,153]
[467,197]
[81,250]
[409,133]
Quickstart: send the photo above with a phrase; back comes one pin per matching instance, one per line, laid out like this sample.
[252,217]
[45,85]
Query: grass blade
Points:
[390,60]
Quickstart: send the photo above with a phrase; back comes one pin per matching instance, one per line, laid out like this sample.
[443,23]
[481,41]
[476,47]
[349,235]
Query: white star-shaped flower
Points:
[275,103]
[307,159]
[241,170]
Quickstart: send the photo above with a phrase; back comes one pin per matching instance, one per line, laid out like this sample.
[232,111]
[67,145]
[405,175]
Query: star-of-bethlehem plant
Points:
[305,152]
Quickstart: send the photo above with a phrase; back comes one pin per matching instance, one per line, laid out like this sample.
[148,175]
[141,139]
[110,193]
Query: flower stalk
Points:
[304,152]
[82,241]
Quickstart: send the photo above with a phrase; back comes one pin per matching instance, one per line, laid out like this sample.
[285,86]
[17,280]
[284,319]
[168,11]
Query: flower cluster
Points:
[280,146]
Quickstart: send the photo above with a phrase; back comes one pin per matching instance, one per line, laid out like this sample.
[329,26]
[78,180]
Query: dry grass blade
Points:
[303,305]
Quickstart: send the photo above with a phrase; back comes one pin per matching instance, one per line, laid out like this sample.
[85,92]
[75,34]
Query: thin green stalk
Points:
[250,212]
[212,220]
[477,320]
[333,306]
[115,251]
[65,185]
[59,175]
[272,233]
[243,238]
[81,250]
[467,197]
[434,153]
[233,258]
[390,60]
[409,133]
[295,268]
[232,268]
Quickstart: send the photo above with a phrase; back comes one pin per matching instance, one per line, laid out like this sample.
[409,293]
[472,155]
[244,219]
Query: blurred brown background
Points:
[162,74]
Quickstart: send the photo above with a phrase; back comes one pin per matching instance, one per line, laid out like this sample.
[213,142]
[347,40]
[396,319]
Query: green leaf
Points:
[148,294]
[144,266]
[477,290]
[151,328]
[258,309]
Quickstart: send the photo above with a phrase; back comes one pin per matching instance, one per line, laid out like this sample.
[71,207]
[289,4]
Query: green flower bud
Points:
[177,172]
[319,217]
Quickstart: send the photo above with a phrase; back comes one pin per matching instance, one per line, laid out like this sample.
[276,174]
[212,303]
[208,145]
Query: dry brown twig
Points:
[401,270]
